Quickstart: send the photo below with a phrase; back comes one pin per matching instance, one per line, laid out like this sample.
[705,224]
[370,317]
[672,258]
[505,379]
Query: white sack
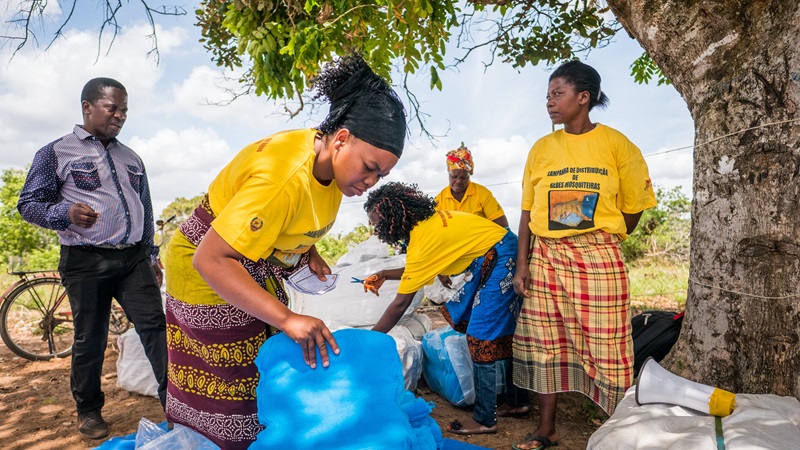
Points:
[758,422]
[417,324]
[134,372]
[437,293]
[369,249]
[410,351]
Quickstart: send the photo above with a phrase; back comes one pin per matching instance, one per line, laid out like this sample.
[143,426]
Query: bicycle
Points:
[36,318]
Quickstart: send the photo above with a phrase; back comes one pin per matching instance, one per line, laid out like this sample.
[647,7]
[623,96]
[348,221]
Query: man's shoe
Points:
[92,425]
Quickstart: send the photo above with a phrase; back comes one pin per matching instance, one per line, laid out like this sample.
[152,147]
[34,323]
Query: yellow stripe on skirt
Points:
[574,332]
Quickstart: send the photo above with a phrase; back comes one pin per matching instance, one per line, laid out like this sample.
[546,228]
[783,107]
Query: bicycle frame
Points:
[23,278]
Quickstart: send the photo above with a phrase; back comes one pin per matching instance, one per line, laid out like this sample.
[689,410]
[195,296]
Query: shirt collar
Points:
[84,135]
[470,191]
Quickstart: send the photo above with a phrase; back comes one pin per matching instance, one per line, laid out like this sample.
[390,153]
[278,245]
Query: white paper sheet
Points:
[306,281]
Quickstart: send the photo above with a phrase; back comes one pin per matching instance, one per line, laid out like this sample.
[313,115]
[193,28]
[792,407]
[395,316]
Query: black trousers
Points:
[91,277]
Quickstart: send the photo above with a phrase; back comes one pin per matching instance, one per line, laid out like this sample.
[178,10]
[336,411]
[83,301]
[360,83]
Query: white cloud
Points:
[206,94]
[181,163]
[40,93]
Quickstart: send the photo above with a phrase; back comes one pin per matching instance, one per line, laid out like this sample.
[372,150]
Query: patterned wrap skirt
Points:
[212,345]
[574,332]
[486,307]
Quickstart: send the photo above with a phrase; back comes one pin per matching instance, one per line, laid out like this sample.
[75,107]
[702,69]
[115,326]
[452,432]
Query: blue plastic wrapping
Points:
[358,402]
[447,366]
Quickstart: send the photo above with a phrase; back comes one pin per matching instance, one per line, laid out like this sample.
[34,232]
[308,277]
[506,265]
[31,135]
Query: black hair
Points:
[400,207]
[335,74]
[362,102]
[93,89]
[582,77]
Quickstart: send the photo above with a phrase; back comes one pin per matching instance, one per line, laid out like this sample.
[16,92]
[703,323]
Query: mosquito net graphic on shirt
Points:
[571,209]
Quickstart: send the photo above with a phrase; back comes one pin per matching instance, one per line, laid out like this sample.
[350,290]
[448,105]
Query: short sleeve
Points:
[491,207]
[636,189]
[527,181]
[255,216]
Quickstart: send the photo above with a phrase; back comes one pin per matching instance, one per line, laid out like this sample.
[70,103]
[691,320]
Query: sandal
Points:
[457,427]
[543,441]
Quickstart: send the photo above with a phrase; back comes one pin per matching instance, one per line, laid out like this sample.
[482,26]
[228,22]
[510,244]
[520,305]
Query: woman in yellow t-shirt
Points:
[463,195]
[259,222]
[584,190]
[449,243]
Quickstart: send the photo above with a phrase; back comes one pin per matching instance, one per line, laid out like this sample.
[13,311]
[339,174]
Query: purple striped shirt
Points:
[77,169]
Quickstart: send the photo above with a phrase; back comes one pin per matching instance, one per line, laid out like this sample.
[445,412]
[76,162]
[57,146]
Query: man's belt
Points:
[115,246]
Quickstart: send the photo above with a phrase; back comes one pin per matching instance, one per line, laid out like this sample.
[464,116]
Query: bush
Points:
[663,231]
[25,246]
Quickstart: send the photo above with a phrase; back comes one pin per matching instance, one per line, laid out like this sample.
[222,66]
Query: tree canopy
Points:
[286,42]
[281,44]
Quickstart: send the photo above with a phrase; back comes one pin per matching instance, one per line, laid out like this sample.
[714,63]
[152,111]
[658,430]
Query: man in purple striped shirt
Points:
[93,191]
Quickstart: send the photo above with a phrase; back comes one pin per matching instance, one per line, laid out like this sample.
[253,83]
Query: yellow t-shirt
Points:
[477,200]
[446,244]
[575,184]
[267,202]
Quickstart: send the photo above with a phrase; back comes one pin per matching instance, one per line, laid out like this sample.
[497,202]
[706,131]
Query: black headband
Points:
[370,109]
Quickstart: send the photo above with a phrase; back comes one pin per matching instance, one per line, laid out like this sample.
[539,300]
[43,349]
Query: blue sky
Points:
[184,139]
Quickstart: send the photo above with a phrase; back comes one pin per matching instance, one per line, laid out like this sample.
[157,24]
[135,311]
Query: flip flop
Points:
[545,443]
[457,427]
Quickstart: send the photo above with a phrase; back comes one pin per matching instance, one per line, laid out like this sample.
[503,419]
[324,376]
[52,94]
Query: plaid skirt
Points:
[574,331]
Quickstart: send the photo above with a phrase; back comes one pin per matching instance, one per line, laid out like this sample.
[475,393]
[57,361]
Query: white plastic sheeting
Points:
[758,422]
[347,305]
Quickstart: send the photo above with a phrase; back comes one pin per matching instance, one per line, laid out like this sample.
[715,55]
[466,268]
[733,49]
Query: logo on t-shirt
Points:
[316,234]
[572,209]
[263,144]
[256,224]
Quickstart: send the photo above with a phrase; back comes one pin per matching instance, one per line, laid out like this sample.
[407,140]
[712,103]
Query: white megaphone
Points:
[658,385]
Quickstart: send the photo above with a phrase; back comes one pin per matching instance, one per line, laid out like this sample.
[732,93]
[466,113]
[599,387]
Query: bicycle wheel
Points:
[118,321]
[36,320]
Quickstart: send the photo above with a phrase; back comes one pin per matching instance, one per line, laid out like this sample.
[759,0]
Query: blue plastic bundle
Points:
[355,403]
[447,366]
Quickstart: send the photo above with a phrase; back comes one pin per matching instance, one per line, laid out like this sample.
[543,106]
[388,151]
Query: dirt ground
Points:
[38,412]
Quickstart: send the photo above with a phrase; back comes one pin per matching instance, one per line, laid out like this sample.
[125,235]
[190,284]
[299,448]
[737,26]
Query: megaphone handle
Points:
[718,431]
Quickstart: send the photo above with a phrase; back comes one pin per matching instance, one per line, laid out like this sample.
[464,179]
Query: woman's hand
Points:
[219,265]
[522,279]
[445,280]
[374,282]
[317,264]
[310,334]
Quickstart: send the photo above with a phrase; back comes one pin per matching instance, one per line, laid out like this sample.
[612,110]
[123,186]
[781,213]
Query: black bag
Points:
[654,334]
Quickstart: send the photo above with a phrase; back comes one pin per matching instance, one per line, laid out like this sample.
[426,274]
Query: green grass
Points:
[658,285]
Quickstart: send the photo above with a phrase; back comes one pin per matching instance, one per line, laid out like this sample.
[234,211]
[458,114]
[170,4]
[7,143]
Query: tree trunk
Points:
[737,65]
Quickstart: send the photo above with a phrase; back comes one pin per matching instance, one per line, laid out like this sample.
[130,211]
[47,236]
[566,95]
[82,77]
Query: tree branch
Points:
[35,11]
